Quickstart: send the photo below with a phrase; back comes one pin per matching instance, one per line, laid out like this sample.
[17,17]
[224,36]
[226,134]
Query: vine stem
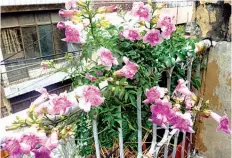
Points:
[120,135]
[95,135]
[139,123]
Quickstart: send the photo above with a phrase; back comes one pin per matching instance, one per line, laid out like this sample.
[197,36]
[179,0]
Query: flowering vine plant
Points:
[120,60]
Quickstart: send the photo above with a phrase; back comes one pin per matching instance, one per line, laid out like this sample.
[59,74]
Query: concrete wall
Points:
[217,88]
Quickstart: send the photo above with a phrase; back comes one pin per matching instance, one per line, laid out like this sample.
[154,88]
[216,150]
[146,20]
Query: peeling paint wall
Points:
[217,88]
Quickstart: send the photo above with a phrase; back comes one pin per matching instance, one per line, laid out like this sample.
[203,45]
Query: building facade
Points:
[28,36]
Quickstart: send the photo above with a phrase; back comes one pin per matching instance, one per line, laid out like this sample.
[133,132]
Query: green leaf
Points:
[132,100]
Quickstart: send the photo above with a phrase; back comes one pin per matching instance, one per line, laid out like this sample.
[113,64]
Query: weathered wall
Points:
[217,88]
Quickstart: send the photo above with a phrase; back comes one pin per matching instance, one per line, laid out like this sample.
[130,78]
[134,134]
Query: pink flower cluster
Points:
[88,96]
[163,113]
[128,70]
[152,37]
[73,32]
[143,12]
[166,25]
[131,34]
[154,93]
[31,141]
[184,94]
[106,58]
[56,104]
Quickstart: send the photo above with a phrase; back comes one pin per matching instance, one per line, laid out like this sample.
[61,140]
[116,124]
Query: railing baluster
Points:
[175,144]
[153,144]
[121,136]
[189,74]
[183,145]
[169,81]
[139,122]
[96,141]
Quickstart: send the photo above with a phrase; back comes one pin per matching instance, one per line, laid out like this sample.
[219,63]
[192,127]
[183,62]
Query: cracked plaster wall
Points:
[217,89]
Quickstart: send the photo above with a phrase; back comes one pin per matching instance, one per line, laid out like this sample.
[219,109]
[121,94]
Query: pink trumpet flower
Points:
[152,37]
[42,98]
[153,94]
[70,4]
[128,70]
[66,13]
[59,104]
[131,34]
[182,88]
[223,122]
[106,58]
[143,12]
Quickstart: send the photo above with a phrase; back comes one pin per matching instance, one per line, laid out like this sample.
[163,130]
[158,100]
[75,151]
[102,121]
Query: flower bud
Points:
[207,102]
[66,13]
[110,79]
[117,82]
[160,6]
[149,2]
[12,127]
[111,9]
[113,89]
[81,3]
[125,83]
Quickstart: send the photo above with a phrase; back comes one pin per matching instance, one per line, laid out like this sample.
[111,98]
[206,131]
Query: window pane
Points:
[31,43]
[46,42]
[60,46]
[11,43]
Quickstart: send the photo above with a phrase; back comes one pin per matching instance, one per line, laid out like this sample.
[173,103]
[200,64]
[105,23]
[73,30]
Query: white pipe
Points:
[121,136]
[96,141]
[139,122]
[175,144]
[151,152]
[164,139]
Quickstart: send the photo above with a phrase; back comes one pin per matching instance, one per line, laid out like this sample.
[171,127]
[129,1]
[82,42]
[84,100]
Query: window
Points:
[29,35]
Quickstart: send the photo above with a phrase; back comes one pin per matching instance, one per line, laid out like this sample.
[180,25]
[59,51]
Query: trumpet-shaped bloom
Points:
[152,37]
[164,21]
[42,152]
[66,13]
[131,34]
[182,88]
[28,142]
[63,24]
[70,4]
[181,121]
[128,70]
[160,112]
[88,96]
[59,104]
[12,146]
[106,58]
[143,12]
[90,77]
[223,122]
[52,141]
[42,98]
[153,94]
[167,31]
[73,33]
